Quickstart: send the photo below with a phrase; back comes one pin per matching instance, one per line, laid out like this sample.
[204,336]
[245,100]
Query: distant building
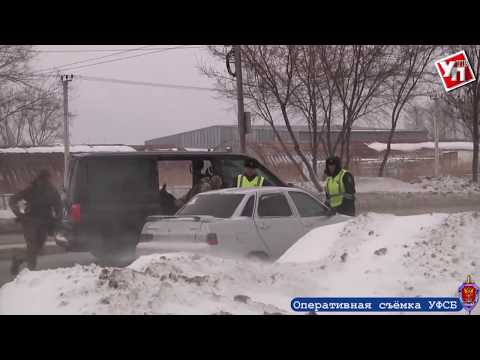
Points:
[221,136]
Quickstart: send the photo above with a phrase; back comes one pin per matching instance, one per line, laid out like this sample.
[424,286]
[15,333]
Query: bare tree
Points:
[44,120]
[465,102]
[450,126]
[412,62]
[359,73]
[14,64]
[315,100]
[274,66]
[317,85]
[32,116]
[270,81]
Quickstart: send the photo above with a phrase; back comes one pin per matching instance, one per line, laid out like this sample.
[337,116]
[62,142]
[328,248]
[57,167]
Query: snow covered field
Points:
[450,145]
[443,184]
[371,255]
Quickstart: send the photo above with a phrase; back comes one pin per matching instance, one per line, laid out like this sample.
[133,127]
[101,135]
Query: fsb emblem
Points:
[455,71]
[468,294]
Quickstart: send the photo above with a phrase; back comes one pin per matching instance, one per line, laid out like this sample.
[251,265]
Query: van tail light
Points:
[76,213]
[212,239]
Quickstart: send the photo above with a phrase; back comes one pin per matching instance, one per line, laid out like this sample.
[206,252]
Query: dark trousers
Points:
[346,208]
[35,232]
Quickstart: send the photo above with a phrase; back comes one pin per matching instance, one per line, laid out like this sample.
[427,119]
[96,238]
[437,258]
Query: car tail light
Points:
[75,213]
[212,239]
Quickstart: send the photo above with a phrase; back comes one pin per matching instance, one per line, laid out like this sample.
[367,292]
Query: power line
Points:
[144,83]
[140,83]
[99,50]
[67,67]
[93,59]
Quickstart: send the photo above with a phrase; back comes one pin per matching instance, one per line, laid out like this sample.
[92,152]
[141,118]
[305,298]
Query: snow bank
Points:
[375,185]
[73,149]
[371,255]
[384,184]
[449,184]
[442,184]
[387,255]
[155,284]
[453,145]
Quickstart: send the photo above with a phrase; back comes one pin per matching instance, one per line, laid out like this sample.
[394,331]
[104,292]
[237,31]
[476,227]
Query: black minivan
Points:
[110,195]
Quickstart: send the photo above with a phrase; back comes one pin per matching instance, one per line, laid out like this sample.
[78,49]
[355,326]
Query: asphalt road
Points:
[48,262]
[55,257]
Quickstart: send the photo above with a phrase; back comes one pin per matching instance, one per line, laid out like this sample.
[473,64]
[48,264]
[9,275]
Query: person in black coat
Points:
[42,213]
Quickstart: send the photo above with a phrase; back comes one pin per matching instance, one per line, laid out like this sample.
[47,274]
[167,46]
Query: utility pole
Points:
[65,79]
[437,152]
[436,170]
[240,105]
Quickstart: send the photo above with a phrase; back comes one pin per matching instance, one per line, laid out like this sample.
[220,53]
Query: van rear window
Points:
[121,178]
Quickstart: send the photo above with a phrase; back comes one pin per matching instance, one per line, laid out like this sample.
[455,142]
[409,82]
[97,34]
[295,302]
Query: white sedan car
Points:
[262,222]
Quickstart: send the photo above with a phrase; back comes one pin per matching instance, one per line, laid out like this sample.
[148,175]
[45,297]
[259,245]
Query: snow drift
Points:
[452,145]
[441,184]
[371,255]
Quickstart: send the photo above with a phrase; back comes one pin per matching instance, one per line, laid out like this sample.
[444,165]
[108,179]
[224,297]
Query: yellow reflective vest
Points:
[242,181]
[335,188]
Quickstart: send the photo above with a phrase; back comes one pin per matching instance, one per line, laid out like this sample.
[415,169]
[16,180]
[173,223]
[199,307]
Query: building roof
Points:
[335,128]
[60,149]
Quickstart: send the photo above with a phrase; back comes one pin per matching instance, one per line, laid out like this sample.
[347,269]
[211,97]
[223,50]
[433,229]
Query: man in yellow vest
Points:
[249,178]
[340,187]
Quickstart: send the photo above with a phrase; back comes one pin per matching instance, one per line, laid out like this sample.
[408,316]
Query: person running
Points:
[42,213]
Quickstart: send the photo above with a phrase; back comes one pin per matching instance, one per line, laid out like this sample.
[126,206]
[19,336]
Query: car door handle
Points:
[264,226]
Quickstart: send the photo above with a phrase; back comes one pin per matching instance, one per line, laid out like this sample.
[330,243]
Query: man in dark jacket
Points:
[43,211]
[340,187]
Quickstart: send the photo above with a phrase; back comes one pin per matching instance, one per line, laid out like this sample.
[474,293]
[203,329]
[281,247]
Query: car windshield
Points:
[217,205]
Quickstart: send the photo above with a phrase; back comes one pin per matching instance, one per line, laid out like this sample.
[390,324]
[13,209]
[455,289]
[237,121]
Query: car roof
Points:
[252,190]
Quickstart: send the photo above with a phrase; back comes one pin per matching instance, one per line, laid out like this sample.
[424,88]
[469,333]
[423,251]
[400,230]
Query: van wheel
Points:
[258,255]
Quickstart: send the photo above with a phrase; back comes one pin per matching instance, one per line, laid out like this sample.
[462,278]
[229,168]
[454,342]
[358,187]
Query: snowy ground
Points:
[448,145]
[371,255]
[444,184]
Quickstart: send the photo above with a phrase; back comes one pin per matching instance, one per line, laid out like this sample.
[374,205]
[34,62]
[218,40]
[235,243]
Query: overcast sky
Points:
[117,113]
